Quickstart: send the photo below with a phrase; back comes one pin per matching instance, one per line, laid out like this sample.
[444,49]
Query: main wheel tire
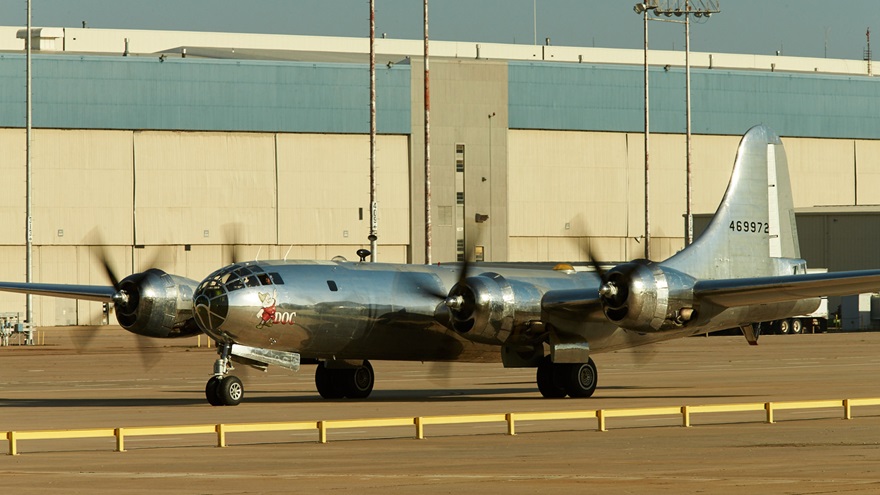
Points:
[548,378]
[211,391]
[358,383]
[784,326]
[327,382]
[230,390]
[797,326]
[580,379]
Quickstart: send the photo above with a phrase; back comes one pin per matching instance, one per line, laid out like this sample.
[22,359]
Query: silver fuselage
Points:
[351,310]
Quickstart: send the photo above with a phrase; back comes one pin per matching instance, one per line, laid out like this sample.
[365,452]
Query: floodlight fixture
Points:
[643,7]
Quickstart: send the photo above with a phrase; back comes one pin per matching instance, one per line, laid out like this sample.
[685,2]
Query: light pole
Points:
[643,8]
[535,19]
[698,8]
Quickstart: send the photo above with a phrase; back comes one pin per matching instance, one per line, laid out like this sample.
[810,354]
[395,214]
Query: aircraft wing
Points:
[574,304]
[101,293]
[764,290]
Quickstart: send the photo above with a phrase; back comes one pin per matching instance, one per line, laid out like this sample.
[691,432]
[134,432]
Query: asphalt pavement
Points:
[105,377]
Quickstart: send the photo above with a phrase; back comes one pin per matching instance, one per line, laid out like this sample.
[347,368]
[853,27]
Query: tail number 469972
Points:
[749,226]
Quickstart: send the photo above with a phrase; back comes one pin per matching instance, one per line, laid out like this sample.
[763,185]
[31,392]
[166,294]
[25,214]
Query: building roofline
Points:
[347,49]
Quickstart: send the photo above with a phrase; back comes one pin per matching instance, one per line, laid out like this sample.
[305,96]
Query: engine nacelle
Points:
[487,308]
[156,304]
[646,297]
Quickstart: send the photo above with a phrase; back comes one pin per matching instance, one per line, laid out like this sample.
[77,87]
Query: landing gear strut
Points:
[223,389]
[351,383]
[576,380]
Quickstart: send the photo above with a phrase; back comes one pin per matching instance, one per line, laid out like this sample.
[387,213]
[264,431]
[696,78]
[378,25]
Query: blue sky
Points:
[808,28]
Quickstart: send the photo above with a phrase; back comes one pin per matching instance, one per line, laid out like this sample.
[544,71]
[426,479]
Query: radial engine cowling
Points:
[156,304]
[646,297]
[487,308]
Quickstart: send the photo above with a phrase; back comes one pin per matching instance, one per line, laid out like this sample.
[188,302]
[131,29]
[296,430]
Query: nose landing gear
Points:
[223,389]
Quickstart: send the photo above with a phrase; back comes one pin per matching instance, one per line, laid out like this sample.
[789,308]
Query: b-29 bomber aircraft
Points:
[339,315]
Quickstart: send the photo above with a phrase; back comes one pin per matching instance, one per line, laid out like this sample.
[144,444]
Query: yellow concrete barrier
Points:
[220,430]
[602,414]
[223,429]
[804,404]
[14,436]
[142,431]
[323,426]
[848,404]
[546,416]
[686,411]
[421,421]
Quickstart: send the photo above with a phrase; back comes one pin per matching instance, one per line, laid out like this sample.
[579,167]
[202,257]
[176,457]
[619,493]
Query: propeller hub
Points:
[121,298]
[454,303]
[608,290]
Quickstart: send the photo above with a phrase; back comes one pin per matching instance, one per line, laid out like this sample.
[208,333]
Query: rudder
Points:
[753,232]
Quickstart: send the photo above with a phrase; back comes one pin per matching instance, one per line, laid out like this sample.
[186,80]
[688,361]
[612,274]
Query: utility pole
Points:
[29,221]
[427,81]
[373,207]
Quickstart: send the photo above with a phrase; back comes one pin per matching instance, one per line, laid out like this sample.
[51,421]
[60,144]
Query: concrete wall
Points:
[468,108]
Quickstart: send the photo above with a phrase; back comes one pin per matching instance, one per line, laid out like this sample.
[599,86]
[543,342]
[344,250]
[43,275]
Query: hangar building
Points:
[185,150]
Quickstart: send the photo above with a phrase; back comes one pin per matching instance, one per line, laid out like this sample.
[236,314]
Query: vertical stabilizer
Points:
[754,228]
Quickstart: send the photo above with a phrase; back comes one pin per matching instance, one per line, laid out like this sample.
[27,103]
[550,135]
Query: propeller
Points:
[83,340]
[458,302]
[434,293]
[440,372]
[125,301]
[614,284]
[614,292]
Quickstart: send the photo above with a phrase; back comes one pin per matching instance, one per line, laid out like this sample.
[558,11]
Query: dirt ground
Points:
[105,377]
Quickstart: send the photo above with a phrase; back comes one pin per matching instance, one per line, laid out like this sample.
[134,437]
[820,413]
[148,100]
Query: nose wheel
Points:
[223,389]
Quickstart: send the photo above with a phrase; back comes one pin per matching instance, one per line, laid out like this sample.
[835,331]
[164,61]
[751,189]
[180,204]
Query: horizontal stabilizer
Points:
[765,290]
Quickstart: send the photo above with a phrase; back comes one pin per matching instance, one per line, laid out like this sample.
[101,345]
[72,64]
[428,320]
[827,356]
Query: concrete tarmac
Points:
[95,378]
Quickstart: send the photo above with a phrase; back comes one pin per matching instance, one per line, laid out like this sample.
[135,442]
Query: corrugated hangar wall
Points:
[148,159]
[176,200]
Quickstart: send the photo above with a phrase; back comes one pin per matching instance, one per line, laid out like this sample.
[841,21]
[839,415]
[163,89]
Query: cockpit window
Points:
[237,277]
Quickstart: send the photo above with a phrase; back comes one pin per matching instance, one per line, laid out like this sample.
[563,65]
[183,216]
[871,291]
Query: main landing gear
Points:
[223,389]
[576,380]
[352,382]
